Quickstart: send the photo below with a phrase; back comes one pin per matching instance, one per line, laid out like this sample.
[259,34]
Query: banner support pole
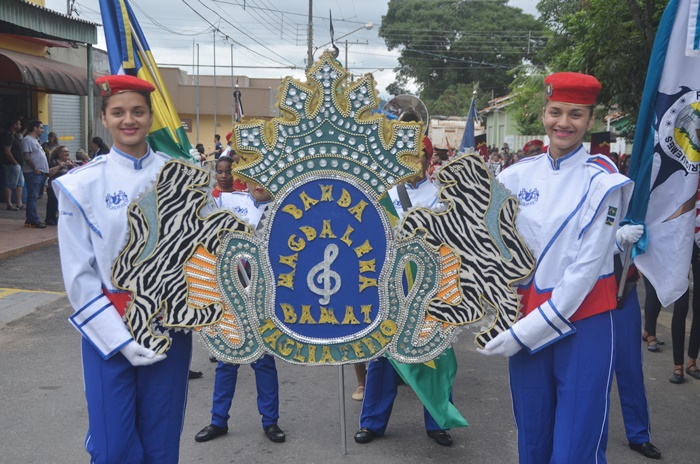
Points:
[341,404]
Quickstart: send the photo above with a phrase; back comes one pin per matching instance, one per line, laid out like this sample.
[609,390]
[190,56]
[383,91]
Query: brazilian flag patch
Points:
[612,212]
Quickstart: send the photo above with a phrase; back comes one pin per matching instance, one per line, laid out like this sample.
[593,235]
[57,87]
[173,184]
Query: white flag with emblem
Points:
[666,154]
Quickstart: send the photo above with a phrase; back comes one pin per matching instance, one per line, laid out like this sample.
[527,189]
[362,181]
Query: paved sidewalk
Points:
[16,239]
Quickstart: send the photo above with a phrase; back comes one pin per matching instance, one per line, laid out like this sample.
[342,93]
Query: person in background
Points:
[495,164]
[533,148]
[200,150]
[624,161]
[98,147]
[361,375]
[628,351]
[218,148]
[680,313]
[652,308]
[59,165]
[381,384]
[227,150]
[12,161]
[250,207]
[35,169]
[81,157]
[135,398]
[50,144]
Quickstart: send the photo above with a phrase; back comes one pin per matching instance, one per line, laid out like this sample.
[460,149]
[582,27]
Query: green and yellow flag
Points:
[432,381]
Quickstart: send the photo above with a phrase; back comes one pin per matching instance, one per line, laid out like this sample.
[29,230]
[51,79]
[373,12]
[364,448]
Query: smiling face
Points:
[565,125]
[64,154]
[128,118]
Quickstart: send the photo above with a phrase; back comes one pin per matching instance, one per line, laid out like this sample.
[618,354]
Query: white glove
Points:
[504,344]
[629,233]
[137,355]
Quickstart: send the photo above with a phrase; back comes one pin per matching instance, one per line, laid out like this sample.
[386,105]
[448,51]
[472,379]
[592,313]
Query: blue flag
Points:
[666,154]
[468,136]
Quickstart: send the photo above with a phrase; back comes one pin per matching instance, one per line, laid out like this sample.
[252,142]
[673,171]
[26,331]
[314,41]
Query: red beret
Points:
[574,88]
[533,143]
[111,85]
[428,145]
[228,136]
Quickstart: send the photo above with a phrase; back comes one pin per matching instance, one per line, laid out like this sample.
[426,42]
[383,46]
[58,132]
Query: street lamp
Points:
[367,26]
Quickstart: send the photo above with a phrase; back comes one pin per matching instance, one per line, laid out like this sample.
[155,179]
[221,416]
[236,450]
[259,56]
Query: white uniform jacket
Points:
[423,195]
[569,211]
[243,205]
[93,201]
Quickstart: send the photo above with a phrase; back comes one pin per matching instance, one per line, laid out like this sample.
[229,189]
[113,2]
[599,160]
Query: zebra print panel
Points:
[165,230]
[488,263]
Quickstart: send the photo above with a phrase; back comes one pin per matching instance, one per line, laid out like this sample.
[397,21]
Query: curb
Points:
[24,249]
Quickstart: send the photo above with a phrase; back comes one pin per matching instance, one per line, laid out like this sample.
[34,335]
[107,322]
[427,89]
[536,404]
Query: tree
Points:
[610,39]
[528,88]
[445,44]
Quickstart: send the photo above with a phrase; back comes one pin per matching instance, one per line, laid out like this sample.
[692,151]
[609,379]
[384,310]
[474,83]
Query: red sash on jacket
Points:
[600,299]
[120,300]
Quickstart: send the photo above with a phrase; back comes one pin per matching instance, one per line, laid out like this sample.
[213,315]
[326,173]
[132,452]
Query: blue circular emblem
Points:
[327,250]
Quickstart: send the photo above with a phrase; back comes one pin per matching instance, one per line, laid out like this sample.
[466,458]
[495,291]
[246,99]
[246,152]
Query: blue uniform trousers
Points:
[561,395]
[628,370]
[265,382]
[136,413]
[381,388]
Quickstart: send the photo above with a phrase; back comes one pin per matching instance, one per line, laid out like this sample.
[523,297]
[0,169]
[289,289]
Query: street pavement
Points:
[43,415]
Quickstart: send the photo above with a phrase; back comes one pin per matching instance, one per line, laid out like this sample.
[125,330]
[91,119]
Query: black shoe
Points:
[210,432]
[647,449]
[213,359]
[195,374]
[441,437]
[35,225]
[677,376]
[694,373]
[274,433]
[364,435]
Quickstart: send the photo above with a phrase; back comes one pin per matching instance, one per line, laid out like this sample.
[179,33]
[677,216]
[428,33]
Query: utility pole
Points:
[347,43]
[310,37]
[233,89]
[214,34]
[197,94]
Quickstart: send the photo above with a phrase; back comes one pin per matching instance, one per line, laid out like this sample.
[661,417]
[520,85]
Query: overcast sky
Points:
[269,36]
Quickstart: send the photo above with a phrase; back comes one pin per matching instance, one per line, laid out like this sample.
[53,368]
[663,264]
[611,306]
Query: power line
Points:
[162,26]
[291,12]
[244,33]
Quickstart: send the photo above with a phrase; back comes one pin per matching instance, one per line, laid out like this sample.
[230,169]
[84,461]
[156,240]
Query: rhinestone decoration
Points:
[332,127]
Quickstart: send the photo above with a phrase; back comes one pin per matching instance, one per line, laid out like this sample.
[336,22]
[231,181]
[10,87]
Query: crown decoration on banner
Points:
[327,276]
[327,126]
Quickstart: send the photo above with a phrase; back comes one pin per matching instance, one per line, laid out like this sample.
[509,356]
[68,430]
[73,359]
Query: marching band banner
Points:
[322,278]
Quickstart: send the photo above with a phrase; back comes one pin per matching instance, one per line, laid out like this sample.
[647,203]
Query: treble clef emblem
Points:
[321,273]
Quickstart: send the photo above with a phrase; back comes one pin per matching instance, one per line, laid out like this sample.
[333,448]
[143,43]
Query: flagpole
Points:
[341,401]
[625,268]
[149,65]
